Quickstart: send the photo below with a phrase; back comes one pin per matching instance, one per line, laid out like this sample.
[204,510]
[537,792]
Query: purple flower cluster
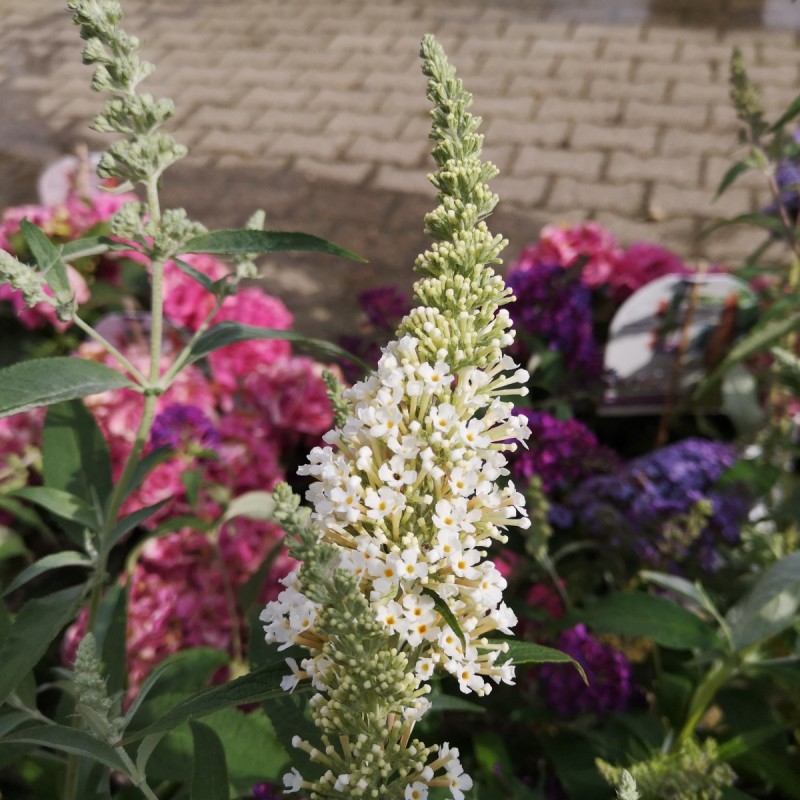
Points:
[181,427]
[383,307]
[610,683]
[560,453]
[787,177]
[554,305]
[637,505]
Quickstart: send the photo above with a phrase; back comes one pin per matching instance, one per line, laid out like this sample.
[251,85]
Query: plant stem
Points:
[139,780]
[183,356]
[703,695]
[148,413]
[100,339]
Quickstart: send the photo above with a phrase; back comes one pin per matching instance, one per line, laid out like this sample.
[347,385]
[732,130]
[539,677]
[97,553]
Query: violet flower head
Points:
[555,305]
[184,427]
[384,306]
[637,505]
[560,452]
[610,684]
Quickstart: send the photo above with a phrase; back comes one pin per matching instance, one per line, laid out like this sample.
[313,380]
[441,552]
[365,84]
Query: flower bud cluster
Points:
[94,704]
[118,69]
[406,501]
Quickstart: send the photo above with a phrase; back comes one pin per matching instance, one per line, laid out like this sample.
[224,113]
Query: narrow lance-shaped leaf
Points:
[62,504]
[730,176]
[210,770]
[756,341]
[788,115]
[659,619]
[529,653]
[446,614]
[770,606]
[47,257]
[45,381]
[765,221]
[128,523]
[253,688]
[229,332]
[35,626]
[90,246]
[67,558]
[69,740]
[246,241]
[75,454]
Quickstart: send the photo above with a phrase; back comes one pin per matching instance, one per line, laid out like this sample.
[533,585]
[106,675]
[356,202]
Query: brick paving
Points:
[615,110]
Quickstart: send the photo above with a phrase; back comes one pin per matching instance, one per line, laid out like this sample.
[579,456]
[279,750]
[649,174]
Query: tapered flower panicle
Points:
[395,582]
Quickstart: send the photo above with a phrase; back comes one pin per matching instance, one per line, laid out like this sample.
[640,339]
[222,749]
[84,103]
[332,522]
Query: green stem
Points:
[100,339]
[183,356]
[139,780]
[703,695]
[150,401]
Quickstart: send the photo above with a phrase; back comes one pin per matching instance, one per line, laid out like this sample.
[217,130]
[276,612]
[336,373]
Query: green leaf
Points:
[25,515]
[11,545]
[253,505]
[75,454]
[45,381]
[770,606]
[252,753]
[788,115]
[35,626]
[61,503]
[13,720]
[192,480]
[246,241]
[656,618]
[129,522]
[210,773]
[153,459]
[149,743]
[741,744]
[730,176]
[449,702]
[195,274]
[693,592]
[229,332]
[90,246]
[67,558]
[186,670]
[529,653]
[769,223]
[111,633]
[69,740]
[253,688]
[47,257]
[757,340]
[446,614]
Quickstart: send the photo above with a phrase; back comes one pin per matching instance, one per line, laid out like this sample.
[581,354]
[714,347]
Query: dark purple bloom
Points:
[554,305]
[181,427]
[609,672]
[787,178]
[560,452]
[640,504]
[267,791]
[384,306]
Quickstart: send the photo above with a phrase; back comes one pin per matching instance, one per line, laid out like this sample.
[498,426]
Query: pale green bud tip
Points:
[626,790]
[24,279]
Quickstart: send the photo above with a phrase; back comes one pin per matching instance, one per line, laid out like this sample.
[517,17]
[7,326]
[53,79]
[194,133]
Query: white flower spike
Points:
[395,581]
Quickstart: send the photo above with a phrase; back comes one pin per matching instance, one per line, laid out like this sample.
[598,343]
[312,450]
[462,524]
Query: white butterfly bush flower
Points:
[396,583]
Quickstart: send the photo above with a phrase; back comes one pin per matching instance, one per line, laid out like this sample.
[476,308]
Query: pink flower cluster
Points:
[239,422]
[63,222]
[607,264]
